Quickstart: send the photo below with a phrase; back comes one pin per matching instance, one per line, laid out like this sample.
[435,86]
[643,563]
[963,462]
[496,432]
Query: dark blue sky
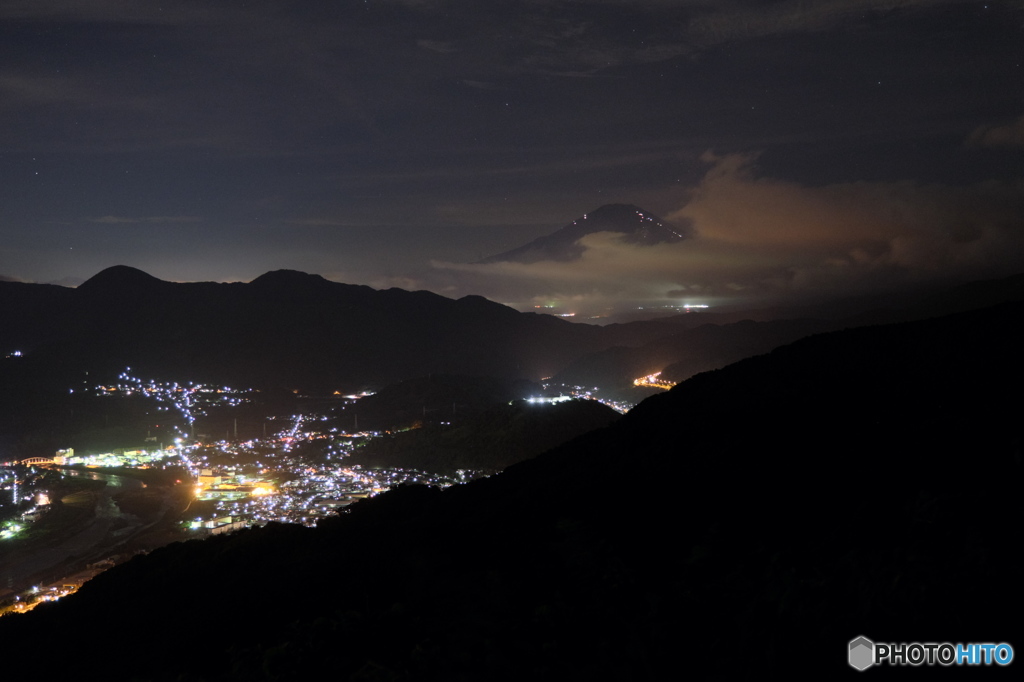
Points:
[830,146]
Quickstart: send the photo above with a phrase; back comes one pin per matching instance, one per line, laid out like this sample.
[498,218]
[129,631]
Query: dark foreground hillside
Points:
[751,521]
[492,440]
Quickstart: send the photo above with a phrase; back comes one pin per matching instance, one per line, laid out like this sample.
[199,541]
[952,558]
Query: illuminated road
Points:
[652,381]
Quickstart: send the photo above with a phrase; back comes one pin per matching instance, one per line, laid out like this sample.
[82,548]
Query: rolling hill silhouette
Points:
[283,329]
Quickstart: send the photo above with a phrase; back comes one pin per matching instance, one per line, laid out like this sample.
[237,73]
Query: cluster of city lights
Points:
[571,392]
[316,484]
[295,474]
[191,400]
[16,494]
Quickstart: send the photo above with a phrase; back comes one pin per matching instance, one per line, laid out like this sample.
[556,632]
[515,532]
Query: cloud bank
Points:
[762,239]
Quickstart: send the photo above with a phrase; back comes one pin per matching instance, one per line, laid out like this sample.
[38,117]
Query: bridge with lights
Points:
[32,461]
[38,460]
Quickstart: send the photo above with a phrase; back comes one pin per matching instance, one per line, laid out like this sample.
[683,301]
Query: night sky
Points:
[815,148]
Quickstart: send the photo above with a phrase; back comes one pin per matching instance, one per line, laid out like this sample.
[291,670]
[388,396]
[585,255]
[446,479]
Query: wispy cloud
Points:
[1009,135]
[126,220]
[732,21]
[111,11]
[438,46]
[326,222]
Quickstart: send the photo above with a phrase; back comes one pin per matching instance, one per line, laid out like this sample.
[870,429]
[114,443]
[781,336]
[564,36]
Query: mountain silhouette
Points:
[284,329]
[119,279]
[637,226]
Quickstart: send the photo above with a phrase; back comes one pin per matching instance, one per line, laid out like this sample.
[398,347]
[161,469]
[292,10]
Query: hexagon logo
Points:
[862,653]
